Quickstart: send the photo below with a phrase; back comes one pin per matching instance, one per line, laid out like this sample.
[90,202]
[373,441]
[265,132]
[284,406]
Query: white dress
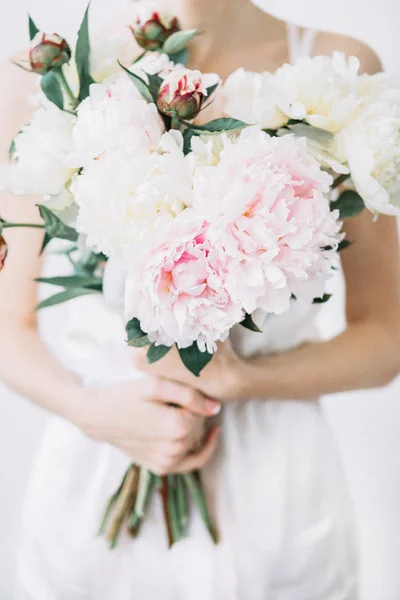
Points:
[275,486]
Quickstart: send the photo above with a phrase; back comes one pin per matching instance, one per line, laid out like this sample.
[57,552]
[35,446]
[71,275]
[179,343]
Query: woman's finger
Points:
[197,460]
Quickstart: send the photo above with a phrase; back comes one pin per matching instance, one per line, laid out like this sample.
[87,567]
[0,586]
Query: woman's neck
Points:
[206,15]
[227,25]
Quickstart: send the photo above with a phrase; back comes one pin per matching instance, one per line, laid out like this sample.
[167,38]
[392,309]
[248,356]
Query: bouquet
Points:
[211,221]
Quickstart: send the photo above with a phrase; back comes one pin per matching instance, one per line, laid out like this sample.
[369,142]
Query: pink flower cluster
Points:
[259,232]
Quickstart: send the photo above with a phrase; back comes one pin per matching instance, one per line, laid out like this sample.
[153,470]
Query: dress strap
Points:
[300,42]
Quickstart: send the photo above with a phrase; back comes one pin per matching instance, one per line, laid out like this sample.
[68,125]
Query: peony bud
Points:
[48,51]
[153,28]
[182,94]
[3,252]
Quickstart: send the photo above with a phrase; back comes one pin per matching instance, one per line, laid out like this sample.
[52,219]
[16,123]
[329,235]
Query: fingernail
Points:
[212,406]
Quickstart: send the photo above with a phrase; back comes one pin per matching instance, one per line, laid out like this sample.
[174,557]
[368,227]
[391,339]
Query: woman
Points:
[272,477]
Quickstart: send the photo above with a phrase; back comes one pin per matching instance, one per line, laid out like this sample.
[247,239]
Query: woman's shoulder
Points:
[16,106]
[327,43]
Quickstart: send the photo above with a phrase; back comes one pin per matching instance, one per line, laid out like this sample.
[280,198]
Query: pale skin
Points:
[138,419]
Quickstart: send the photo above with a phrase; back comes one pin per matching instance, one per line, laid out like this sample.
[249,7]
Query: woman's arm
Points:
[138,419]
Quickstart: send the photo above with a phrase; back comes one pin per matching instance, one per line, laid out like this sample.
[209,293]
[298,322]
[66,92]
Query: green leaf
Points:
[72,281]
[322,300]
[82,57]
[182,505]
[51,88]
[46,240]
[212,89]
[195,487]
[178,41]
[156,353]
[155,83]
[65,296]
[350,204]
[344,244]
[218,125]
[188,134]
[11,149]
[180,58]
[55,228]
[139,83]
[173,509]
[33,29]
[136,337]
[249,323]
[194,359]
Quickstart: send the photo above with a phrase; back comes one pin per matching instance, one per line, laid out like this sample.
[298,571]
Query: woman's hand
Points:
[137,417]
[223,378]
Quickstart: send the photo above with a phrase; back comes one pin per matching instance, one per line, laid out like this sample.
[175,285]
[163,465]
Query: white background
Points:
[366,424]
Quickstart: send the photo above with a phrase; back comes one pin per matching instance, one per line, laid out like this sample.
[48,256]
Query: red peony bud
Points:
[3,252]
[153,28]
[48,51]
[182,94]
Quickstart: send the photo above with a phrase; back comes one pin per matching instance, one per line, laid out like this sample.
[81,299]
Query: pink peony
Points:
[267,206]
[177,287]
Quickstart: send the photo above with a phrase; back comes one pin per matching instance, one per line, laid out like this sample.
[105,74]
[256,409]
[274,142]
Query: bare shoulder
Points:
[327,43]
[16,106]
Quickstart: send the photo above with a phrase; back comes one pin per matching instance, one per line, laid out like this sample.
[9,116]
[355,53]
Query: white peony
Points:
[153,63]
[380,85]
[113,117]
[38,158]
[371,146]
[105,52]
[128,192]
[251,97]
[320,90]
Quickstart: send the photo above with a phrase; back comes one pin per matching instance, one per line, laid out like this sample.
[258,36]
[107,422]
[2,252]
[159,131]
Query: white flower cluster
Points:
[256,233]
[352,122]
[38,156]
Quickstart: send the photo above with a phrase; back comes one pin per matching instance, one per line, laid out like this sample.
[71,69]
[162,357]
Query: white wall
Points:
[366,424]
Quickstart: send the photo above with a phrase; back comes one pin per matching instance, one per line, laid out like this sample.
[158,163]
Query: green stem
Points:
[65,85]
[140,57]
[193,483]
[6,225]
[175,123]
[339,180]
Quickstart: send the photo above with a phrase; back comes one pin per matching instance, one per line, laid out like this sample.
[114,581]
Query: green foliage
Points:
[180,58]
[73,281]
[344,244]
[219,125]
[249,323]
[141,85]
[194,359]
[52,89]
[136,337]
[33,29]
[211,89]
[349,204]
[55,228]
[82,57]
[178,41]
[322,300]
[188,134]
[156,353]
[65,296]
